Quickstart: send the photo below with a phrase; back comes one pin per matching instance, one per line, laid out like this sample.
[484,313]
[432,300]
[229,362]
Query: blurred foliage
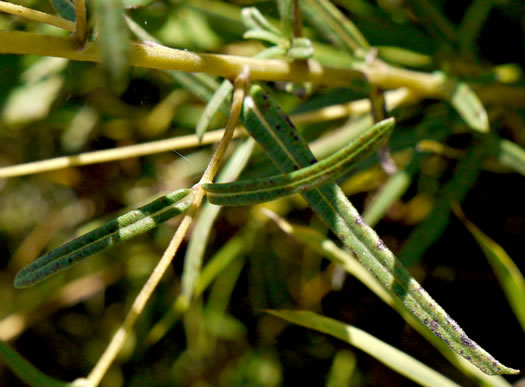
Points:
[52,107]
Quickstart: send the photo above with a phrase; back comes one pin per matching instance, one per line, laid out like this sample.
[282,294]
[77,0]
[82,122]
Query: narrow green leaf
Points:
[433,19]
[253,19]
[223,259]
[65,8]
[391,191]
[204,225]
[286,11]
[388,355]
[26,371]
[511,155]
[124,227]
[467,104]
[508,274]
[262,35]
[342,369]
[397,184]
[232,250]
[202,85]
[270,188]
[404,57]
[433,226]
[214,105]
[334,25]
[113,36]
[275,132]
[318,242]
[271,52]
[473,22]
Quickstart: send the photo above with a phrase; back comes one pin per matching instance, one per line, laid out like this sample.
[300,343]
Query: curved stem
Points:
[81,21]
[37,16]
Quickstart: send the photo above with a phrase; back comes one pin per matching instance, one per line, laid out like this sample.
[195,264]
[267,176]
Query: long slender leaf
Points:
[511,155]
[114,40]
[508,274]
[213,106]
[123,228]
[390,356]
[197,245]
[429,231]
[397,184]
[334,25]
[473,22]
[275,132]
[230,252]
[467,104]
[342,369]
[65,8]
[26,371]
[433,19]
[266,189]
[318,242]
[286,11]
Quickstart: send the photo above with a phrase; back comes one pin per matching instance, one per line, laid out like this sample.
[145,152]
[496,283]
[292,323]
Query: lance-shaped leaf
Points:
[508,274]
[208,214]
[65,8]
[511,155]
[214,105]
[125,227]
[334,25]
[253,19]
[26,371]
[467,104]
[270,188]
[113,36]
[388,355]
[286,11]
[318,242]
[258,27]
[279,138]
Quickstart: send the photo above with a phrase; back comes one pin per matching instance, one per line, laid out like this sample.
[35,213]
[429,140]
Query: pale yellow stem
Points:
[198,193]
[120,153]
[241,84]
[160,57]
[37,16]
[81,20]
[394,98]
[122,333]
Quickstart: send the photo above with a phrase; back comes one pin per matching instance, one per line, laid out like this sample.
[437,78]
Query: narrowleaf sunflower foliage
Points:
[255,159]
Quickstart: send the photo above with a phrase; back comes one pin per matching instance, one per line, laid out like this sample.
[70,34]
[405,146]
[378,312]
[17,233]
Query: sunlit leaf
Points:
[509,275]
[390,356]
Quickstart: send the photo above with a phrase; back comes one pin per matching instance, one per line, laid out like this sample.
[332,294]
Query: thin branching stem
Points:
[122,333]
[37,16]
[394,98]
[81,21]
[125,152]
